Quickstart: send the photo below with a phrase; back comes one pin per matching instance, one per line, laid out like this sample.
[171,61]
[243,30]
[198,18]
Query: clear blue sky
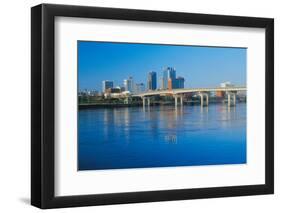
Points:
[200,66]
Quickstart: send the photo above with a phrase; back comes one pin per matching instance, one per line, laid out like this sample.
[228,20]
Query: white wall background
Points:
[15,105]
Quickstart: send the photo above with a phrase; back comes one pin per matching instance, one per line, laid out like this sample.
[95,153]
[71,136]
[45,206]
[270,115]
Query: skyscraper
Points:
[170,85]
[178,83]
[168,73]
[139,88]
[152,81]
[164,80]
[106,85]
[129,84]
[171,72]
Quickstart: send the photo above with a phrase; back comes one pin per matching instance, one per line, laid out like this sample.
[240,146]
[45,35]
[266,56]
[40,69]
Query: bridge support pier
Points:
[181,98]
[231,99]
[202,97]
[176,97]
[145,100]
[127,100]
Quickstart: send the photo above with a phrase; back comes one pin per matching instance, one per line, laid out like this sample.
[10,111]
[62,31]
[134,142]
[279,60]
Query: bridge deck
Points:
[190,90]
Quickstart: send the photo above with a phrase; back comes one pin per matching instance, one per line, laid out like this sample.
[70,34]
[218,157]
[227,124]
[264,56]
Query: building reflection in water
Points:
[162,120]
[134,137]
[226,114]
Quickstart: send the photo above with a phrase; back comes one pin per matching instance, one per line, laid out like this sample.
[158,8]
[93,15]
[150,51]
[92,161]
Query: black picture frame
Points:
[43,110]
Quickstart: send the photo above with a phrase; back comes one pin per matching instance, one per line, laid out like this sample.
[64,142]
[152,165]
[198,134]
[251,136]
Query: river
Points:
[161,136]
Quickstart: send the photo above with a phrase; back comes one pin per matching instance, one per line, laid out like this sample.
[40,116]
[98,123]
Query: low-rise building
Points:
[227,84]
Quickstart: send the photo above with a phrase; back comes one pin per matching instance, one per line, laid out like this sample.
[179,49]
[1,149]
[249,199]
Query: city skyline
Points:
[134,60]
[168,81]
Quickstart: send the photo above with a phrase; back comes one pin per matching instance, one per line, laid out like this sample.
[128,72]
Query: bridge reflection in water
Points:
[161,136]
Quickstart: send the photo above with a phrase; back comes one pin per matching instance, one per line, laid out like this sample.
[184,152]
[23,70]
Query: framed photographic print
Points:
[139,106]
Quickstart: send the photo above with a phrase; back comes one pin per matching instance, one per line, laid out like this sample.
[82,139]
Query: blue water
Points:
[161,136]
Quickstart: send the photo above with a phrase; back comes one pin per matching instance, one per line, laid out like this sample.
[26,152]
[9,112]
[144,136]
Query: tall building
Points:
[178,83]
[139,88]
[168,73]
[164,80]
[170,84]
[106,85]
[171,72]
[129,84]
[152,81]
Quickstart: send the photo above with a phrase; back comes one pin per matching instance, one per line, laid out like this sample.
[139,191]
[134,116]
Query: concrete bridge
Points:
[203,93]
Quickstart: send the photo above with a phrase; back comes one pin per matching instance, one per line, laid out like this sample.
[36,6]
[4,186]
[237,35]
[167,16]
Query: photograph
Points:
[139,105]
[147,105]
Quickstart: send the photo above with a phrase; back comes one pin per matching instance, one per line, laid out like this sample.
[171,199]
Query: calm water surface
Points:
[161,136]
